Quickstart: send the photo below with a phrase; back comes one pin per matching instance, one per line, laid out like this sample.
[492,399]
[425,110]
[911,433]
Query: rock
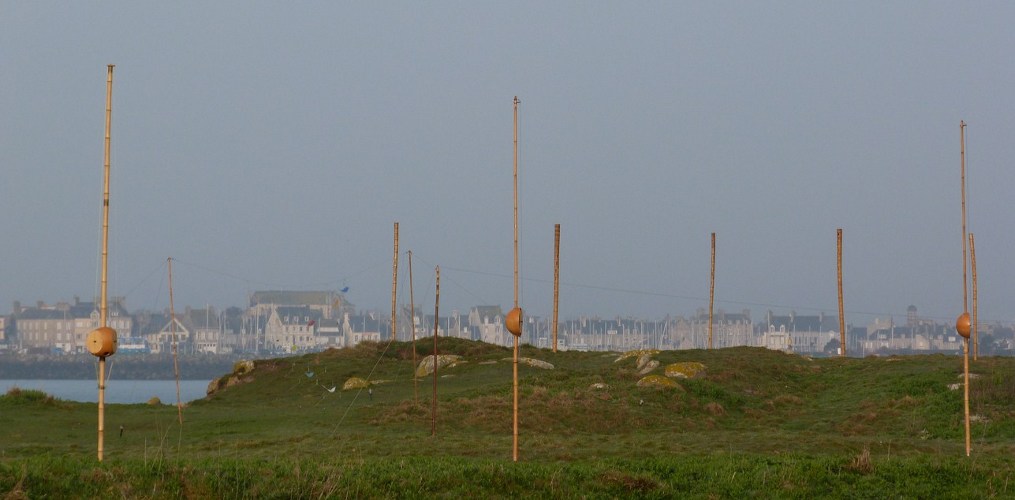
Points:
[355,383]
[243,367]
[658,381]
[154,401]
[631,354]
[532,362]
[599,385]
[644,359]
[648,367]
[425,367]
[954,387]
[686,369]
[536,363]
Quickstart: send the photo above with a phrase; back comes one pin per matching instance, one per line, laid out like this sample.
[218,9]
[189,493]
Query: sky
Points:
[273,145]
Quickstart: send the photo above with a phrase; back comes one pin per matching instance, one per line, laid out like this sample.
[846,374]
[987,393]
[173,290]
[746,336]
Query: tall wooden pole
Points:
[972,268]
[838,273]
[964,318]
[172,323]
[514,446]
[412,324]
[711,293]
[556,280]
[965,280]
[436,323]
[394,285]
[103,305]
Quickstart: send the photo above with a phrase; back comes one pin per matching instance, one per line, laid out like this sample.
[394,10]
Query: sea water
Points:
[117,391]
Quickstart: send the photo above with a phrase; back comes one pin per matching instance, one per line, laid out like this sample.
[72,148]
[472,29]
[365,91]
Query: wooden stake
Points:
[394,285]
[711,293]
[972,266]
[556,280]
[838,273]
[965,366]
[103,305]
[436,322]
[172,326]
[965,281]
[521,320]
[412,324]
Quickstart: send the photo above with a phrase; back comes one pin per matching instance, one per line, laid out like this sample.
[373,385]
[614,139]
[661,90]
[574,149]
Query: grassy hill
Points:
[758,422]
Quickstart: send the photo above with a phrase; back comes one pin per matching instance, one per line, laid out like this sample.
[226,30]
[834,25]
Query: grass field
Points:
[759,423]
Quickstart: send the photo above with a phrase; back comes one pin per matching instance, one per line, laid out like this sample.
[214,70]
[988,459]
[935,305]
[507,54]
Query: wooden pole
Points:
[436,322]
[711,293]
[394,285]
[965,366]
[965,299]
[838,273]
[103,305]
[972,266]
[412,324]
[514,446]
[962,136]
[556,280]
[172,323]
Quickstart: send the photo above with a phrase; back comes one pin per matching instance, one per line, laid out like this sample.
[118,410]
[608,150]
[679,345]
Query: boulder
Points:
[686,369]
[355,383]
[658,381]
[535,363]
[425,367]
[648,367]
[639,352]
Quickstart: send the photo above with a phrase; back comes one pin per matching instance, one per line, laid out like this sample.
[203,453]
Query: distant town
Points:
[280,323]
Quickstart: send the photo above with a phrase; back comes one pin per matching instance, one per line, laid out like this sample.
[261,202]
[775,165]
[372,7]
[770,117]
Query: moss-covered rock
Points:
[648,367]
[426,366]
[639,352]
[658,381]
[686,369]
[535,363]
[355,383]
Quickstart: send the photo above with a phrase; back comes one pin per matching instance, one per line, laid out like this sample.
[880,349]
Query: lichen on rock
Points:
[648,367]
[658,381]
[355,383]
[686,369]
[426,366]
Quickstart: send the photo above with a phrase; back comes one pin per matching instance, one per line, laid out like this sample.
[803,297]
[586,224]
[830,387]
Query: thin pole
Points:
[965,366]
[412,324]
[103,305]
[516,101]
[394,285]
[972,265]
[436,310]
[838,273]
[514,446]
[711,294]
[556,280]
[172,323]
[962,136]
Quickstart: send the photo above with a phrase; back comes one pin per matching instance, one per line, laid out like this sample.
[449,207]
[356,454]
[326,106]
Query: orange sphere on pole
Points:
[513,321]
[963,325]
[101,341]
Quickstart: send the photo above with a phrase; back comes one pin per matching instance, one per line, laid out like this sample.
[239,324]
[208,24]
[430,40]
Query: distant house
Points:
[329,305]
[64,326]
[291,329]
[800,334]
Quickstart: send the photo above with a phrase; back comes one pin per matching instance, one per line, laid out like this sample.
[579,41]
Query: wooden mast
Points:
[838,273]
[176,348]
[103,304]
[436,323]
[711,293]
[394,285]
[556,281]
[412,325]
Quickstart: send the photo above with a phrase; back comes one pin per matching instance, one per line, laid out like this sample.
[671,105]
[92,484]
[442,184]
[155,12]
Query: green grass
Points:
[761,423]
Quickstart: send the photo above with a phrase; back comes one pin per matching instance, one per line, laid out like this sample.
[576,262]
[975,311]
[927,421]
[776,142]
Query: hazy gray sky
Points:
[270,145]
